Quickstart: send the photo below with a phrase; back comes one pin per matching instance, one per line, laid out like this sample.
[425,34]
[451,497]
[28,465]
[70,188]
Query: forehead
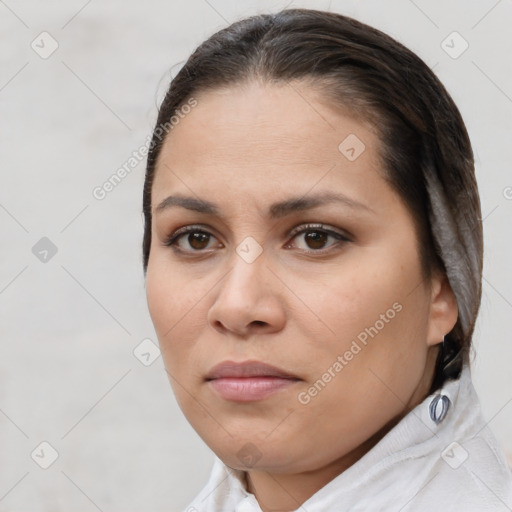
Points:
[287,118]
[256,139]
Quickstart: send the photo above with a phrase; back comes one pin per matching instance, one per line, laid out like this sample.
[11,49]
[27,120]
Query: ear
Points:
[443,312]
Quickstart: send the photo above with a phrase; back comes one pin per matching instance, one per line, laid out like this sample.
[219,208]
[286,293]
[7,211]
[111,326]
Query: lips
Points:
[248,381]
[230,369]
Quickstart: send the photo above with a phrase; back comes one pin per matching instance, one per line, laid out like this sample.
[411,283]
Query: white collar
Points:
[413,451]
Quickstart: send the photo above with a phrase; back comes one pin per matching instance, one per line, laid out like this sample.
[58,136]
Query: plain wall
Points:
[69,326]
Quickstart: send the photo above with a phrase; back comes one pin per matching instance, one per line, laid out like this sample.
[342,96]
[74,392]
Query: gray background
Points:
[69,326]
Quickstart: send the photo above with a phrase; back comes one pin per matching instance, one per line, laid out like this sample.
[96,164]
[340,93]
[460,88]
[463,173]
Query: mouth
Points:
[248,381]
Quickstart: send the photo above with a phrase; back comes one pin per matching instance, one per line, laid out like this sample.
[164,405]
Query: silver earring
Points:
[439,408]
[440,403]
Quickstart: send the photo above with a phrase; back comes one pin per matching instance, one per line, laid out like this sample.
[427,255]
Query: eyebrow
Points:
[276,210]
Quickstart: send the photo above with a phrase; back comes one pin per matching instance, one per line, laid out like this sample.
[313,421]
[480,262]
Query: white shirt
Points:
[418,466]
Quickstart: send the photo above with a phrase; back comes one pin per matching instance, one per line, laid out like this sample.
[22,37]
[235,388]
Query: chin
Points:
[248,453]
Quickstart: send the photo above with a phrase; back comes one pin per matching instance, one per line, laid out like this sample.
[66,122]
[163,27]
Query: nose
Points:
[248,300]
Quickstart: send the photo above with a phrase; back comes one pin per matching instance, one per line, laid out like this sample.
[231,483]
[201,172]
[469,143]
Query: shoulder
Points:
[470,476]
[467,469]
[455,464]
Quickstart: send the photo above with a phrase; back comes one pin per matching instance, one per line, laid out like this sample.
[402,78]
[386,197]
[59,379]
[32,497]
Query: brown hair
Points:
[373,77]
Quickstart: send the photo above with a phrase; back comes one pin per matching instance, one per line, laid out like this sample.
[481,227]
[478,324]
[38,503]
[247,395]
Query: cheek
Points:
[167,304]
[159,298]
[377,323]
[351,301]
[169,293]
[176,306]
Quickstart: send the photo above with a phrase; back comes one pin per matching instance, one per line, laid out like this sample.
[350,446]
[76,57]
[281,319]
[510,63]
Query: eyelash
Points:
[174,237]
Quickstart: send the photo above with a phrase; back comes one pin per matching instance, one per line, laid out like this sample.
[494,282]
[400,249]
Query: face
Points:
[305,260]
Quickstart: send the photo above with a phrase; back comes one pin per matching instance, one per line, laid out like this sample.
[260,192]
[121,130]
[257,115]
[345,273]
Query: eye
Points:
[190,239]
[316,236]
[195,239]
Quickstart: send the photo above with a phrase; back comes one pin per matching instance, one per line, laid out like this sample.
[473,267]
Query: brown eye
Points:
[198,240]
[316,238]
[190,239]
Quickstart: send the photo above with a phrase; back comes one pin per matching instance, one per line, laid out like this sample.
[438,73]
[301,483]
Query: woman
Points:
[313,259]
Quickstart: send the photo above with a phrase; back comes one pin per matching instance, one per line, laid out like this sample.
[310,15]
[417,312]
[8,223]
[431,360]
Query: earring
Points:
[439,408]
[440,403]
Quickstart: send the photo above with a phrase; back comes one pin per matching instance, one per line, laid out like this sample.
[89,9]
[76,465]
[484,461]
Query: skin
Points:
[245,148]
